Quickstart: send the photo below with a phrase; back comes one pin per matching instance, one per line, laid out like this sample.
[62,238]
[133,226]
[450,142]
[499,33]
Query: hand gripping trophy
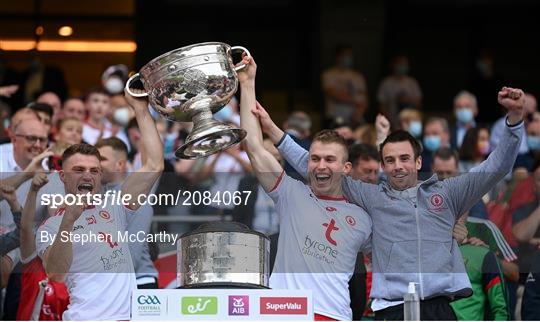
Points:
[190,84]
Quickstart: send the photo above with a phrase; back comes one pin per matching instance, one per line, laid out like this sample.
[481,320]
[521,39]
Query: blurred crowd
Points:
[503,229]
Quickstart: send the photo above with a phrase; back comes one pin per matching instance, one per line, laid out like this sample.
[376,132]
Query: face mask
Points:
[432,142]
[533,142]
[415,128]
[6,123]
[464,115]
[348,61]
[121,116]
[402,69]
[484,149]
[224,114]
[114,85]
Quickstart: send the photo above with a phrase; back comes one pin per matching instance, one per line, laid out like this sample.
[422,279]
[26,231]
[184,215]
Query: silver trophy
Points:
[189,84]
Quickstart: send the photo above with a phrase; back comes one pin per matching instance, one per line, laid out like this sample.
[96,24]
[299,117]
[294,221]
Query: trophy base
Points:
[208,139]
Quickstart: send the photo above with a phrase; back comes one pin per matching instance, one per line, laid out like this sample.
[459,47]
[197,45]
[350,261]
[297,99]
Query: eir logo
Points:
[330,227]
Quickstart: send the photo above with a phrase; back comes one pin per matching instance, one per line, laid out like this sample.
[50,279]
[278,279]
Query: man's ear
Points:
[419,163]
[347,167]
[62,174]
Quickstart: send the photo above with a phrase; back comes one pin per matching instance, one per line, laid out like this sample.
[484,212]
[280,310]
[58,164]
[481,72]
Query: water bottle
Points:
[411,307]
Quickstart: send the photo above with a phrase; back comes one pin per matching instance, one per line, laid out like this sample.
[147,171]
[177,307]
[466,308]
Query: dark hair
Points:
[401,136]
[95,90]
[42,107]
[115,143]
[331,136]
[132,124]
[469,147]
[339,49]
[81,148]
[362,151]
[446,154]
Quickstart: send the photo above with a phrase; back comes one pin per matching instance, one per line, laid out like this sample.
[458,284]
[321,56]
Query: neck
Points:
[335,192]
[95,122]
[21,162]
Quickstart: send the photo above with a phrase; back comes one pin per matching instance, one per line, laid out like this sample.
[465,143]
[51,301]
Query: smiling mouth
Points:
[322,178]
[400,175]
[85,187]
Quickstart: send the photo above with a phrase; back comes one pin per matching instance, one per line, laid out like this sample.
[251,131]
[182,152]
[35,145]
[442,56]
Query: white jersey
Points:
[101,278]
[318,243]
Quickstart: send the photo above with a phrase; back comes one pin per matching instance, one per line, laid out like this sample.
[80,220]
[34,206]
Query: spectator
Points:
[69,131]
[398,90]
[54,101]
[465,110]
[475,148]
[526,226]
[436,136]
[74,107]
[345,89]
[114,79]
[526,160]
[365,161]
[410,120]
[97,103]
[298,126]
[488,300]
[54,297]
[44,112]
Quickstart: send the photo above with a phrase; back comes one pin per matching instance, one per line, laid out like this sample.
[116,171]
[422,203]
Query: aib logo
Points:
[238,305]
[330,227]
[148,300]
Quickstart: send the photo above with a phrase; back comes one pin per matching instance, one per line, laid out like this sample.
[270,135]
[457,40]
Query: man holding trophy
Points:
[320,231]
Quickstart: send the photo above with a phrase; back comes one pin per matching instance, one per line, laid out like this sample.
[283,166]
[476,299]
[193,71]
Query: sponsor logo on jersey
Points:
[283,305]
[330,228]
[91,220]
[350,220]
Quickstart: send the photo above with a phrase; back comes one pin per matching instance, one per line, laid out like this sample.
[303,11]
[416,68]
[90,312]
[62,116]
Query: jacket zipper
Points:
[419,249]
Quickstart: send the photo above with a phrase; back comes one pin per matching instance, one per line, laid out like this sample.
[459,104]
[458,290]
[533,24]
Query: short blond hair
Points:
[408,114]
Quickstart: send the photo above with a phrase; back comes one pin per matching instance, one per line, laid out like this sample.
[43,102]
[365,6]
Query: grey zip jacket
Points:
[412,229]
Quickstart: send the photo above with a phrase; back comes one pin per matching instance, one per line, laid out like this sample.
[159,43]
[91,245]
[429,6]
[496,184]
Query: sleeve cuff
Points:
[281,140]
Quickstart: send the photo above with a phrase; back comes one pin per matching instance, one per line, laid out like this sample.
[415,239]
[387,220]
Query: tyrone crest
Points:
[436,200]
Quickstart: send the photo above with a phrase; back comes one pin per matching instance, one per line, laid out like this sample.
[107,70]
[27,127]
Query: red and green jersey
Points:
[488,301]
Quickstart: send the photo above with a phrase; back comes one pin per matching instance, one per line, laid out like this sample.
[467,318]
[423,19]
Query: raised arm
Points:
[266,167]
[467,189]
[28,241]
[293,153]
[35,165]
[58,257]
[141,182]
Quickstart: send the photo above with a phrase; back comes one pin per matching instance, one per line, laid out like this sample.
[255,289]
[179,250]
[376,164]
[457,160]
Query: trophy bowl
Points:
[190,84]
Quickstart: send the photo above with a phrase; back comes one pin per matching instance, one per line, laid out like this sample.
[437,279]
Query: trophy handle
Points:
[128,83]
[237,68]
